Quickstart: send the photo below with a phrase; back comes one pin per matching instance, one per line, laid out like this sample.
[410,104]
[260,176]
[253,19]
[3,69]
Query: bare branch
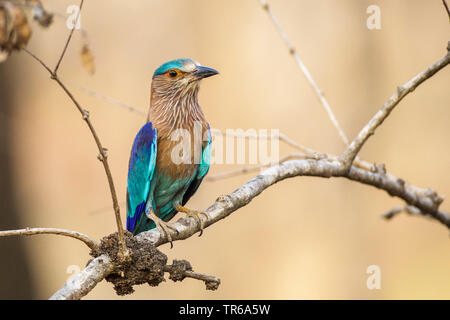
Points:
[412,211]
[105,98]
[225,205]
[204,277]
[317,90]
[399,209]
[68,38]
[402,91]
[446,8]
[91,243]
[181,269]
[244,170]
[103,156]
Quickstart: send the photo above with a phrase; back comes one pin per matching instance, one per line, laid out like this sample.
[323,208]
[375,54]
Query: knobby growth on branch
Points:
[126,260]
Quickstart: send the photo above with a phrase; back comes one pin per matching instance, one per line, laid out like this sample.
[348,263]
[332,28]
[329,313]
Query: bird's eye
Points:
[173,73]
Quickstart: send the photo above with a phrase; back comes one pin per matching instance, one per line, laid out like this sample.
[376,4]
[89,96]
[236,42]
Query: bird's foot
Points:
[163,226]
[194,214]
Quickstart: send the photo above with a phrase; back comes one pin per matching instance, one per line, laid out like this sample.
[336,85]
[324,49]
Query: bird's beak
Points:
[204,72]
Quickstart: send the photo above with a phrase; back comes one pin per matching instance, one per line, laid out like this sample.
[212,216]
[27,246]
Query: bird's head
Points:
[179,77]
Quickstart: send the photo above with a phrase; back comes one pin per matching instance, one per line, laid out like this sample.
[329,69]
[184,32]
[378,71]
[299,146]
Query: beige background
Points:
[304,238]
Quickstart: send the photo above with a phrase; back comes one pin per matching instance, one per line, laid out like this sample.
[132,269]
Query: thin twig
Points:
[178,274]
[409,209]
[91,243]
[317,90]
[446,8]
[399,209]
[310,153]
[402,91]
[68,38]
[249,169]
[204,277]
[105,98]
[103,156]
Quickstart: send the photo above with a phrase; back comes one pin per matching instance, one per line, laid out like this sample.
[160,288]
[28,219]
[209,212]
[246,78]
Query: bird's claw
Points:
[163,227]
[195,214]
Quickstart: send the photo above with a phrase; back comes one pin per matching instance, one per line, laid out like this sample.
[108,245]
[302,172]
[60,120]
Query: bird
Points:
[159,184]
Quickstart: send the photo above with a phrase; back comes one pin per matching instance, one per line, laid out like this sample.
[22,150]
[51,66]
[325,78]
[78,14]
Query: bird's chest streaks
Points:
[168,159]
[171,179]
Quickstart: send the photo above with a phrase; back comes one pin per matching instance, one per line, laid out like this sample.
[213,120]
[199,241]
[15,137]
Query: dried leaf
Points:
[87,59]
[14,29]
[21,30]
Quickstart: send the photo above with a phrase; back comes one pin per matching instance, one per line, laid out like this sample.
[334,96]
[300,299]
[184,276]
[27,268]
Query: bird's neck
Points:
[174,110]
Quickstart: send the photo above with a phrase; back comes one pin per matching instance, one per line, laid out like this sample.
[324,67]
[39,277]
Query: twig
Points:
[91,243]
[103,156]
[402,91]
[68,38]
[105,98]
[201,276]
[388,215]
[249,169]
[308,152]
[446,8]
[399,209]
[281,136]
[211,282]
[181,269]
[317,90]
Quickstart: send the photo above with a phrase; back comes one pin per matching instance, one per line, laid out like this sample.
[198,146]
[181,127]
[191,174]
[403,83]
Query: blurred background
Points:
[304,238]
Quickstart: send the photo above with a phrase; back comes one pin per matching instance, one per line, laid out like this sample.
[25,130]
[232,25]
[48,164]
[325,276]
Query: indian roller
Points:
[158,187]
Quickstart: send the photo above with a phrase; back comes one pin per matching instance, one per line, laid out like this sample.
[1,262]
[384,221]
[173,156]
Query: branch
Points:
[446,8]
[402,91]
[396,210]
[69,38]
[225,205]
[181,269]
[91,243]
[103,156]
[317,90]
[105,98]
[244,170]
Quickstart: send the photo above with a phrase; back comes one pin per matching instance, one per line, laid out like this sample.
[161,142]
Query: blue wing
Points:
[140,173]
[201,172]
